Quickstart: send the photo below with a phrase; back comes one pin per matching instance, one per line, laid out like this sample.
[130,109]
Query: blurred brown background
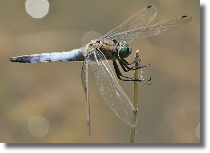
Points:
[168,110]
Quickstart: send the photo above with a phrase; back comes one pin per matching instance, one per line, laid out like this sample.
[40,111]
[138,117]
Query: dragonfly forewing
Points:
[153,30]
[111,91]
[140,19]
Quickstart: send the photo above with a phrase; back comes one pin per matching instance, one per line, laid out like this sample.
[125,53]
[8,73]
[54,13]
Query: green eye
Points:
[125,50]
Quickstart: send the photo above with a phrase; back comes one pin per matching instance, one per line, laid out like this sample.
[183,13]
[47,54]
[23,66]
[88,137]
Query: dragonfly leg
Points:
[124,64]
[125,67]
[126,78]
[141,67]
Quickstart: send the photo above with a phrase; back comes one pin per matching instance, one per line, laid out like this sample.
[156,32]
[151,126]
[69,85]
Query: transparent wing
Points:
[152,30]
[141,19]
[84,77]
[111,91]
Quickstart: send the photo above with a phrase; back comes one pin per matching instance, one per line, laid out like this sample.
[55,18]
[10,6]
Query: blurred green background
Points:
[168,110]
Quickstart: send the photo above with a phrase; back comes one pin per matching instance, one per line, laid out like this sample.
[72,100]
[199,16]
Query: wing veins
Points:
[112,93]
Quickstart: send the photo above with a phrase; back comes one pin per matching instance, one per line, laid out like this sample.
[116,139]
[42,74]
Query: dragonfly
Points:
[113,46]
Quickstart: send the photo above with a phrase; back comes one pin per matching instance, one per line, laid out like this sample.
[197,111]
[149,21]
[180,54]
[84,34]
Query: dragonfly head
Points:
[125,49]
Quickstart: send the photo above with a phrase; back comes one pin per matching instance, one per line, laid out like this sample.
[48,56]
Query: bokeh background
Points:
[45,103]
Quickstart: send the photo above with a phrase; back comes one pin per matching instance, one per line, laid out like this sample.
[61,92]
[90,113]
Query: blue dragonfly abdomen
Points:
[74,55]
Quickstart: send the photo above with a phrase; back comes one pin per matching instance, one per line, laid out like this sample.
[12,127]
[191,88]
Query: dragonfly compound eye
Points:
[125,50]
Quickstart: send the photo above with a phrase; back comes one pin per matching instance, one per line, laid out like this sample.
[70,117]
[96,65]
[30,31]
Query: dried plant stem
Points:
[135,95]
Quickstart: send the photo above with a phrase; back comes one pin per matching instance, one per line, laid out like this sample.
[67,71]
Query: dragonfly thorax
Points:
[124,49]
[110,49]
